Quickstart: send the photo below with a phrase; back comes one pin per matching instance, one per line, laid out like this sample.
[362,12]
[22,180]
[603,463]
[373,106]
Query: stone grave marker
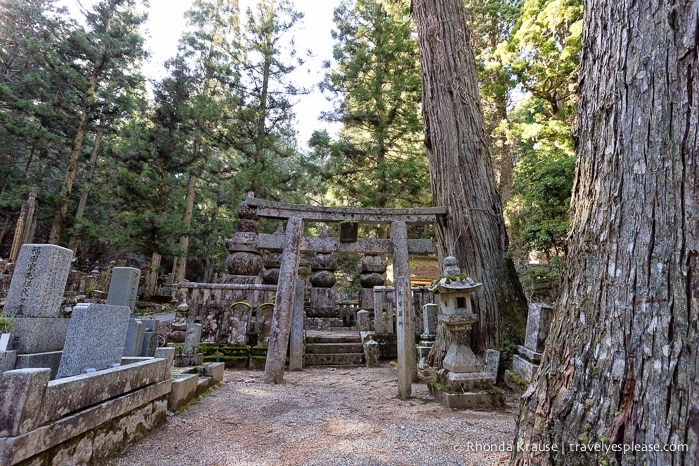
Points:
[192,339]
[39,280]
[149,342]
[492,362]
[429,318]
[526,363]
[134,338]
[95,339]
[239,323]
[363,320]
[123,288]
[263,324]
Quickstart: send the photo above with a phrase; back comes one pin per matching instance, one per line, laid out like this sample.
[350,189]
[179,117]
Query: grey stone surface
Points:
[22,394]
[39,334]
[296,333]
[538,323]
[363,321]
[460,358]
[50,360]
[134,338]
[123,289]
[39,280]
[184,389]
[240,316]
[17,449]
[372,353]
[429,318]
[492,362]
[72,394]
[150,343]
[263,324]
[150,325]
[167,353]
[95,338]
[7,360]
[323,302]
[192,339]
[529,354]
[524,368]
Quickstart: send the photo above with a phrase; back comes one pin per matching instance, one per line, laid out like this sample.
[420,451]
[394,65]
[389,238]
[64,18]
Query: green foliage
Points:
[538,212]
[378,160]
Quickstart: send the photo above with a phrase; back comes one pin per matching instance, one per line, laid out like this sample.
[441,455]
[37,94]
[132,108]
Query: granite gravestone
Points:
[123,288]
[34,298]
[526,363]
[39,280]
[134,338]
[95,339]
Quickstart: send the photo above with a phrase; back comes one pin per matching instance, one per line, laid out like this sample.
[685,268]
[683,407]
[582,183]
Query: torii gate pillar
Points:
[284,305]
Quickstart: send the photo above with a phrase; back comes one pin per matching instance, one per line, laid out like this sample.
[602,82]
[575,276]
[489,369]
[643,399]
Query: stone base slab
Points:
[530,354]
[469,400]
[39,334]
[40,360]
[35,442]
[184,389]
[524,368]
[469,381]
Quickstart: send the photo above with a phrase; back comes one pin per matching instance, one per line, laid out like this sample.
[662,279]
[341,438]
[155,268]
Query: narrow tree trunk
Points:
[180,267]
[461,171]
[72,166]
[622,361]
[82,204]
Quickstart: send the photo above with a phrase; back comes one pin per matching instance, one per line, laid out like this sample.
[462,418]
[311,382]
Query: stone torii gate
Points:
[292,243]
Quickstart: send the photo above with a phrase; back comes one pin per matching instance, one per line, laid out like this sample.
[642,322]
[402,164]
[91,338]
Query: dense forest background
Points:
[127,168]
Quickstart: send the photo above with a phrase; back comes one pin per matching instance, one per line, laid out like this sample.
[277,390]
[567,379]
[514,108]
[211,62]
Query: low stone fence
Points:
[82,419]
[230,313]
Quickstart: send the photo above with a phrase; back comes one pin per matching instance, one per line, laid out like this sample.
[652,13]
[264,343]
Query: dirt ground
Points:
[324,416]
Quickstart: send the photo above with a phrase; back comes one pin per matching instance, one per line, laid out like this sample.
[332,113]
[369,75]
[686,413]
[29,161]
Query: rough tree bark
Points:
[461,171]
[621,364]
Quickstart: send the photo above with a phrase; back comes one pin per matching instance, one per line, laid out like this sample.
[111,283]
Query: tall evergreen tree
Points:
[378,160]
[461,172]
[108,50]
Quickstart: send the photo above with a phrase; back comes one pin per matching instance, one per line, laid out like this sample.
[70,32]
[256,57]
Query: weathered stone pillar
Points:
[405,331]
[284,305]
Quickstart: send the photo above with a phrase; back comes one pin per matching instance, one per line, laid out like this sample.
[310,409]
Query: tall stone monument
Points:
[34,299]
[123,288]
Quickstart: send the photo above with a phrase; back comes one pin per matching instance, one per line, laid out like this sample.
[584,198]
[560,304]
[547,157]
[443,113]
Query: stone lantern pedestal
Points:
[462,383]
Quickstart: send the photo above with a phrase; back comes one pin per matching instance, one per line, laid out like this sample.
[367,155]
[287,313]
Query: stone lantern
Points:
[462,383]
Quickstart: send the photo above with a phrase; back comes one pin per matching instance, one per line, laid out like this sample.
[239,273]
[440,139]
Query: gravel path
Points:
[322,416]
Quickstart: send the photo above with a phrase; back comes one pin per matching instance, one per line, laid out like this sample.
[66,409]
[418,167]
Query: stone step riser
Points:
[334,348]
[334,339]
[347,359]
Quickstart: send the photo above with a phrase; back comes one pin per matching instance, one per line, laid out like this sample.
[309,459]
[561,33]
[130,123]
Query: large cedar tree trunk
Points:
[622,361]
[461,172]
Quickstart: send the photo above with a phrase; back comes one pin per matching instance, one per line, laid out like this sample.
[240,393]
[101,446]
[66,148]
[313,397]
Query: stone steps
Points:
[334,349]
